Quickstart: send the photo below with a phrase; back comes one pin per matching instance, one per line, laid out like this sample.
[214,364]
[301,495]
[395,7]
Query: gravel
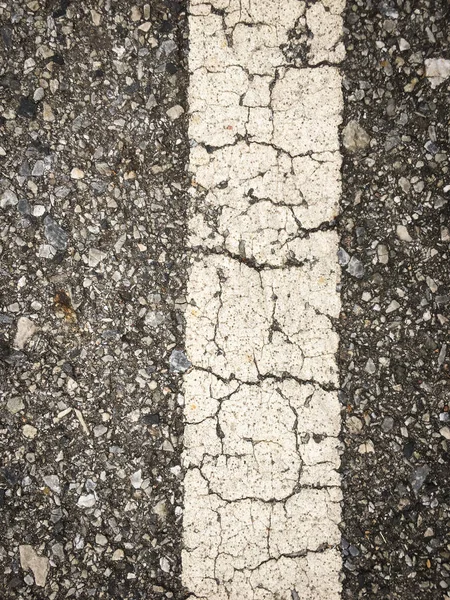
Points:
[394,324]
[92,227]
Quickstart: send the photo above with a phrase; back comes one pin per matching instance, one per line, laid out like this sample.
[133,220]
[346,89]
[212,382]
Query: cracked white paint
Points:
[262,489]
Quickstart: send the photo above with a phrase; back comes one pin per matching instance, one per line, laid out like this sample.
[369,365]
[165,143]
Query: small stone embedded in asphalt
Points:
[29,431]
[9,198]
[355,268]
[96,256]
[86,501]
[343,257]
[403,234]
[77,173]
[418,477]
[355,137]
[26,328]
[437,70]
[52,481]
[15,405]
[370,367]
[136,479]
[175,112]
[387,424]
[55,235]
[179,363]
[39,565]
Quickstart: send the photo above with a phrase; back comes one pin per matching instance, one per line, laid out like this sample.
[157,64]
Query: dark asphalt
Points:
[394,324]
[93,190]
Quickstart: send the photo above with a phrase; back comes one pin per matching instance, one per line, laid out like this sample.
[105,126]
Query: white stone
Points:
[403,234]
[175,112]
[437,70]
[86,501]
[29,431]
[9,198]
[25,331]
[52,481]
[136,479]
[445,432]
[39,565]
[96,257]
[77,173]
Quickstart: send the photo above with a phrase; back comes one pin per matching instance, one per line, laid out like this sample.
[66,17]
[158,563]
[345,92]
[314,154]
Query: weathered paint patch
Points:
[262,491]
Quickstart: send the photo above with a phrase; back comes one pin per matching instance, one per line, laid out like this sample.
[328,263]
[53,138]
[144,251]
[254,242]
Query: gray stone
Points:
[343,257]
[387,424]
[179,363]
[418,477]
[56,236]
[355,267]
[355,137]
[15,405]
[38,169]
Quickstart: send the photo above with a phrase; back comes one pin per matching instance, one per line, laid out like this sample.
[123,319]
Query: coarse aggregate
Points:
[93,154]
[394,362]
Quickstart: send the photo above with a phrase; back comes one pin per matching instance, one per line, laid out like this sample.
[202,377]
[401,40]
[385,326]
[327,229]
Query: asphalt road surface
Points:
[224,246]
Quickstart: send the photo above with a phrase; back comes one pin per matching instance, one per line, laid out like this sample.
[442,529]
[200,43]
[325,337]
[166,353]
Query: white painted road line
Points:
[262,492]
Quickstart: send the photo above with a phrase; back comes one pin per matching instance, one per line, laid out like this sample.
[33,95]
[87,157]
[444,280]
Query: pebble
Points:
[15,405]
[383,254]
[39,565]
[370,367]
[355,137]
[387,424]
[56,236]
[355,267]
[52,481]
[175,112]
[418,477]
[343,257]
[366,447]
[38,94]
[136,479]
[118,554]
[29,431]
[38,169]
[47,113]
[165,564]
[178,362]
[437,70]
[26,328]
[354,424]
[96,257]
[393,306]
[9,198]
[403,234]
[445,432]
[77,173]
[86,501]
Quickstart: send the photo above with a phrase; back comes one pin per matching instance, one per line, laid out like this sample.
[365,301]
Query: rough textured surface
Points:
[93,150]
[262,491]
[394,329]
